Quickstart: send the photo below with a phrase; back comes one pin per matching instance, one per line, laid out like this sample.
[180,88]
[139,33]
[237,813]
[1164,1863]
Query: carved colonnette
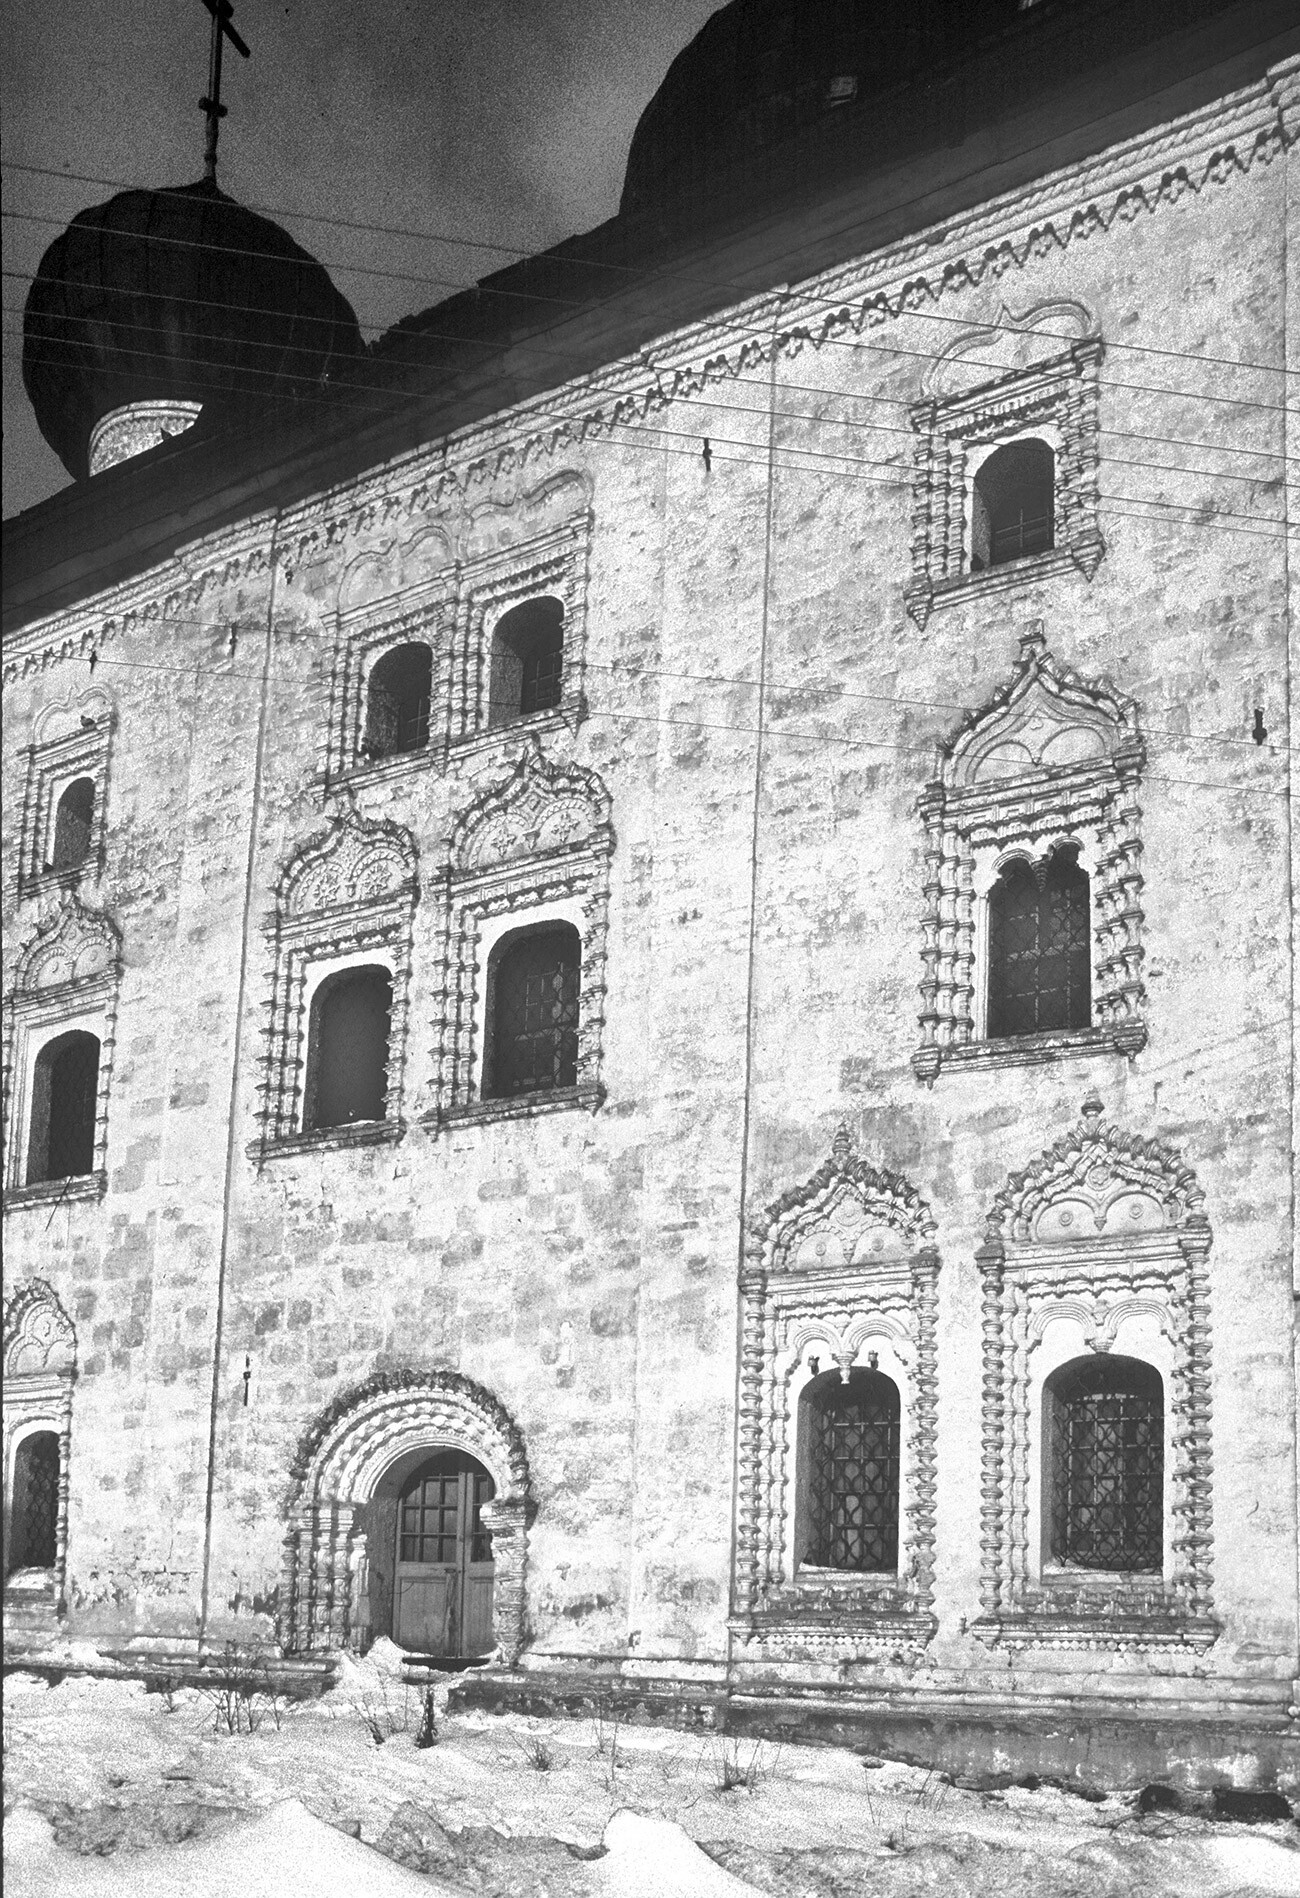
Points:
[70,739]
[422,615]
[67,976]
[1057,398]
[535,843]
[351,891]
[1101,1244]
[841,1269]
[40,1368]
[1051,759]
[341,1459]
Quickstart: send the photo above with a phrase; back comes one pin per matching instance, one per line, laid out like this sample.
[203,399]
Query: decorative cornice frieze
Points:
[1135,179]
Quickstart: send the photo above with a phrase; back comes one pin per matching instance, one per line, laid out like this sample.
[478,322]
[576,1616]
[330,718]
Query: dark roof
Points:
[1092,73]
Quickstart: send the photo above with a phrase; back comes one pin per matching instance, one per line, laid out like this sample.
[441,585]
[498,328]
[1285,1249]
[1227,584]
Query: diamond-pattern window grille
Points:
[1108,1466]
[852,1494]
[34,1535]
[1040,971]
[534,1016]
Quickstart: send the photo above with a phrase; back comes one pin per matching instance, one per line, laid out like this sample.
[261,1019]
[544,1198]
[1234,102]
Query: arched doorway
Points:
[409,1518]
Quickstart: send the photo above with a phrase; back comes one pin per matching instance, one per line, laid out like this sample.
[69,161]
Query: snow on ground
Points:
[111,1790]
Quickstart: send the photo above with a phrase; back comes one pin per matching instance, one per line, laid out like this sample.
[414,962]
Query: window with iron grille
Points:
[74,823]
[527,661]
[397,701]
[1039,957]
[851,1433]
[534,981]
[65,1096]
[1105,1420]
[442,1509]
[1013,504]
[347,1048]
[33,1530]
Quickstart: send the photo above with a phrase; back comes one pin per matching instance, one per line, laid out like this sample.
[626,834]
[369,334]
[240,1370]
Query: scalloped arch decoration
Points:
[1097,1181]
[75,944]
[539,809]
[356,861]
[39,1336]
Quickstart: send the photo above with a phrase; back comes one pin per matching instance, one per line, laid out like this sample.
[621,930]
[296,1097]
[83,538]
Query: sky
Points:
[501,121]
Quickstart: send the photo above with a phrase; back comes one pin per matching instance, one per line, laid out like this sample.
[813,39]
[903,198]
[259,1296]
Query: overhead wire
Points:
[631,271]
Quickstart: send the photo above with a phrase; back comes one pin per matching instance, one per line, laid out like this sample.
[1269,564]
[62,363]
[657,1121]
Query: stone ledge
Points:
[1018,1051]
[361,1133]
[518,1107]
[83,1186]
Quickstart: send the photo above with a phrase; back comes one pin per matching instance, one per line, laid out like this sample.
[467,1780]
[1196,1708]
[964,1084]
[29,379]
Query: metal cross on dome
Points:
[222,13]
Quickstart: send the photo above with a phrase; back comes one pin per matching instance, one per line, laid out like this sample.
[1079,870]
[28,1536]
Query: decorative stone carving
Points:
[1057,399]
[1051,759]
[1102,1243]
[842,1269]
[350,891]
[71,738]
[539,837]
[339,1462]
[66,976]
[40,1367]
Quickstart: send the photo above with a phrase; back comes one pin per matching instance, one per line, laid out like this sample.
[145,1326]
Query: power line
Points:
[730,408]
[716,320]
[776,691]
[570,356]
[627,270]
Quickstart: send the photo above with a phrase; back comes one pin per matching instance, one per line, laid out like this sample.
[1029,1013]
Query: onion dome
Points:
[760,71]
[160,304]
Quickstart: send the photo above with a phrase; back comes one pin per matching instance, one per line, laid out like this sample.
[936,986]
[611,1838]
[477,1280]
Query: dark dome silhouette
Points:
[759,71]
[175,297]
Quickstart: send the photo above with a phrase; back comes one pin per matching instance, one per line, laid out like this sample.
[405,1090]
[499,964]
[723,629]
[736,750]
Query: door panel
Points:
[442,1601]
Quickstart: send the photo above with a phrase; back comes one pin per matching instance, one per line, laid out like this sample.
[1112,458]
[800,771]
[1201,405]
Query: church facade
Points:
[651,1042]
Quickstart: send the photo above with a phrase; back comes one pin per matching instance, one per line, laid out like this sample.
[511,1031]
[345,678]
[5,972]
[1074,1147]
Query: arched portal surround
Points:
[39,1370]
[340,1463]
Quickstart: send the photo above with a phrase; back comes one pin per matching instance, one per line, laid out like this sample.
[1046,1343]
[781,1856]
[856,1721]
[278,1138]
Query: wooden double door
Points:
[442,1601]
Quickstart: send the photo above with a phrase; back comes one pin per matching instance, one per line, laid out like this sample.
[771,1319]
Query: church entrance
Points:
[442,1592]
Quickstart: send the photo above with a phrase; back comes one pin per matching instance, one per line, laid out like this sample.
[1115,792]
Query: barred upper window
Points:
[534,979]
[1105,1464]
[849,1472]
[347,1048]
[1013,504]
[74,822]
[1039,958]
[34,1510]
[397,701]
[527,660]
[65,1098]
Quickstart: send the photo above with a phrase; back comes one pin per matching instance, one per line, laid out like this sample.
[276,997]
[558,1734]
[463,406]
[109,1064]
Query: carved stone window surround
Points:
[70,740]
[532,847]
[842,1269]
[553,563]
[1055,400]
[345,899]
[1133,1279]
[427,618]
[1083,758]
[67,977]
[40,1368]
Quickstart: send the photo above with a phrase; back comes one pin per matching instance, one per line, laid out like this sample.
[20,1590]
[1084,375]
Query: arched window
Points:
[34,1508]
[527,672]
[1104,1464]
[397,701]
[65,1095]
[1013,507]
[347,1048]
[73,824]
[848,1466]
[534,979]
[1039,963]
